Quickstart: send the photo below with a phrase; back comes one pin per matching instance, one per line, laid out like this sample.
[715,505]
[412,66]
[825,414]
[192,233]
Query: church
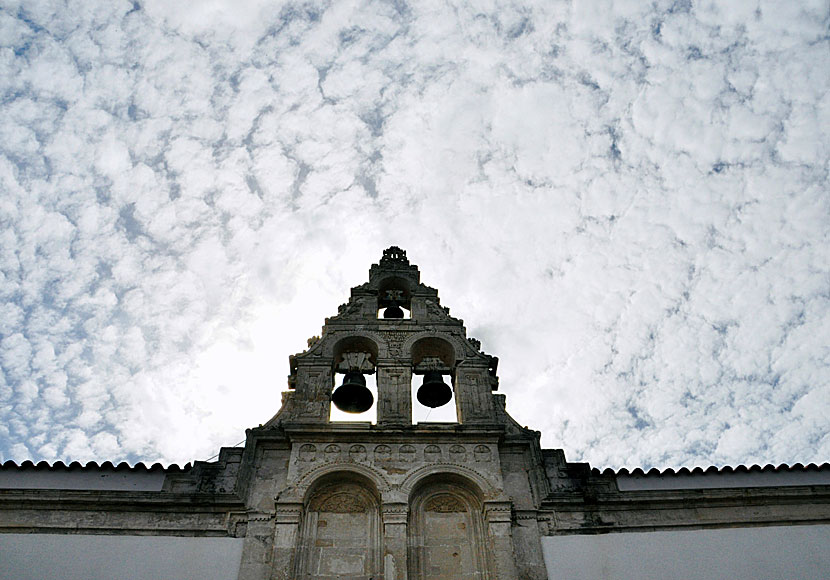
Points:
[472,497]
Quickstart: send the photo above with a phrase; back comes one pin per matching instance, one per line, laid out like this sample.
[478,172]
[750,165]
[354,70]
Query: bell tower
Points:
[393,326]
[391,499]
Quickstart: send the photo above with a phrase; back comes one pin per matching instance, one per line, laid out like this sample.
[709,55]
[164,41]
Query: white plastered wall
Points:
[84,557]
[765,553]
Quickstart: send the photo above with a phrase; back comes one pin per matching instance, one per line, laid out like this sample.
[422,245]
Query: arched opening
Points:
[340,530]
[433,359]
[354,363]
[370,415]
[446,531]
[394,299]
[422,414]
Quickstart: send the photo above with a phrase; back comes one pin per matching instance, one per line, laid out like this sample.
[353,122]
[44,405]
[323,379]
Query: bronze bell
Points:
[434,392]
[353,396]
[393,311]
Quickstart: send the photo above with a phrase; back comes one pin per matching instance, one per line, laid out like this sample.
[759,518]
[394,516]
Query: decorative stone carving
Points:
[458,454]
[356,361]
[432,453]
[431,363]
[332,452]
[349,309]
[383,453]
[444,504]
[340,503]
[357,453]
[308,452]
[481,453]
[394,341]
[435,310]
[406,453]
[394,404]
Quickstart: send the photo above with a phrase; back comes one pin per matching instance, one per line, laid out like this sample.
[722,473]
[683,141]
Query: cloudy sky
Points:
[627,202]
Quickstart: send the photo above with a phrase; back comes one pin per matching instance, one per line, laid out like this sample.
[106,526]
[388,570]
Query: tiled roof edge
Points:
[92,465]
[712,470]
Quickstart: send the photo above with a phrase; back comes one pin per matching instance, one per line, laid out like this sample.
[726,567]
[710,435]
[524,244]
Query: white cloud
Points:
[626,202]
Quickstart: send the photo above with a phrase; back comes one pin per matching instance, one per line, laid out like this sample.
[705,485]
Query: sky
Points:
[627,203]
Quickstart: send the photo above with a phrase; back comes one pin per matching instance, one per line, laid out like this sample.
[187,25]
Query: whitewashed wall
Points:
[98,479]
[82,557]
[722,480]
[769,553]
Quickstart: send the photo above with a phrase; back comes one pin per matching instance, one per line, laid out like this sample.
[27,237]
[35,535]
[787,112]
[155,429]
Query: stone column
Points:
[394,541]
[286,532]
[394,394]
[499,522]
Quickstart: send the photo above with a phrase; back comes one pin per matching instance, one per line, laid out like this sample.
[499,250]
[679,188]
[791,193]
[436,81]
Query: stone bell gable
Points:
[362,337]
[383,497]
[418,499]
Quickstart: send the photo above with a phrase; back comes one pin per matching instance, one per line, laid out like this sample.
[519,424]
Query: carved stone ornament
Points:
[308,452]
[357,453]
[332,452]
[481,453]
[406,453]
[458,454]
[356,361]
[444,504]
[339,503]
[436,310]
[431,363]
[394,341]
[383,453]
[432,453]
[349,309]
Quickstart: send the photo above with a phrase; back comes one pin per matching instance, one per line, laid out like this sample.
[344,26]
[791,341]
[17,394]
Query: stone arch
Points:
[469,477]
[456,346]
[358,339]
[356,470]
[340,529]
[447,536]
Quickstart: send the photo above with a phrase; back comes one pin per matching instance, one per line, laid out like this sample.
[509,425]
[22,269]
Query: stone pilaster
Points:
[256,551]
[473,396]
[312,398]
[499,522]
[394,394]
[394,541]
[286,531]
[527,546]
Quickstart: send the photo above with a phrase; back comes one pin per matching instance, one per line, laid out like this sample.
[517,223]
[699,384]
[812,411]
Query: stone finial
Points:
[394,255]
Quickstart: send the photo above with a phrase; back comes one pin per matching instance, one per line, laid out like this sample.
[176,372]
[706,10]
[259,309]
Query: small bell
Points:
[393,311]
[353,396]
[434,392]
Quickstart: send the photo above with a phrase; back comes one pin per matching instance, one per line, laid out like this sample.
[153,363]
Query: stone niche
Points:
[340,531]
[447,536]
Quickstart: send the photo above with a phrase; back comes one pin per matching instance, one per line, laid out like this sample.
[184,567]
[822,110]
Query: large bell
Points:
[393,311]
[434,392]
[353,396]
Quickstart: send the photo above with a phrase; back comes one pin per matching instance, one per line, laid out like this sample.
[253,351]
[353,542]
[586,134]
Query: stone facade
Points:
[312,498]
